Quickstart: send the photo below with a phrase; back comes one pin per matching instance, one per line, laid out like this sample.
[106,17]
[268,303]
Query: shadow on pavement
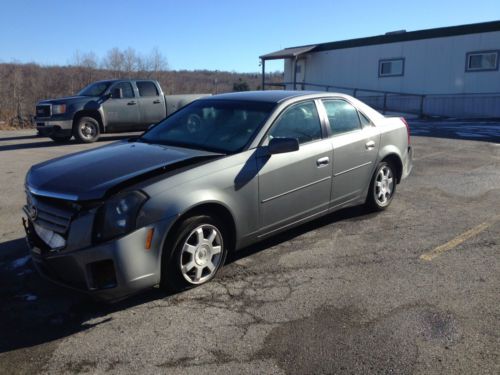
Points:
[34,311]
[18,138]
[345,214]
[47,142]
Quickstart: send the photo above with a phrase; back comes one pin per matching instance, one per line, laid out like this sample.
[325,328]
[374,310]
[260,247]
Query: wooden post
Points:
[421,114]
[263,74]
[295,73]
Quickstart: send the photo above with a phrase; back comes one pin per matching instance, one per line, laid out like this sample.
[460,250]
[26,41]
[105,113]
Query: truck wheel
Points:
[60,138]
[382,187]
[86,130]
[198,252]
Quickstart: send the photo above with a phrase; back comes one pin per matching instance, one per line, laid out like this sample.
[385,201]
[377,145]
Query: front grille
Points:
[43,110]
[52,214]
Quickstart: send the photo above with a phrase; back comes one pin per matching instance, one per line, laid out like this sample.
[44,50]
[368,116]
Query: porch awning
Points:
[288,53]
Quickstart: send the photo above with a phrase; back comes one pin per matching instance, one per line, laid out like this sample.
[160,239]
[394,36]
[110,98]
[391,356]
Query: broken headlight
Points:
[118,215]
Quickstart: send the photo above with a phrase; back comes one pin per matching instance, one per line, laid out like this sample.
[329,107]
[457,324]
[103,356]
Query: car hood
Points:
[90,175]
[68,100]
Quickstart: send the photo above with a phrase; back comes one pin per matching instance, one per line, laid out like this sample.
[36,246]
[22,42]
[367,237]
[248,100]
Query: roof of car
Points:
[270,96]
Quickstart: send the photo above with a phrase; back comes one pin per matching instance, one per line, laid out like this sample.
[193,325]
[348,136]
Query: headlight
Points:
[57,109]
[118,216]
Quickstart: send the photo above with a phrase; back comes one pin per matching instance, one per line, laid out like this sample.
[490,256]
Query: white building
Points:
[451,71]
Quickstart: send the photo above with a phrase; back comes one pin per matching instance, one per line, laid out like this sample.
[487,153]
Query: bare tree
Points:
[86,63]
[114,61]
[130,60]
[159,62]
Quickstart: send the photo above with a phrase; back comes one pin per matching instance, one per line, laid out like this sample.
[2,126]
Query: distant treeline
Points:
[23,85]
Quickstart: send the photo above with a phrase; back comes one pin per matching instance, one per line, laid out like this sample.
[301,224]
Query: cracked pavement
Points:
[347,293]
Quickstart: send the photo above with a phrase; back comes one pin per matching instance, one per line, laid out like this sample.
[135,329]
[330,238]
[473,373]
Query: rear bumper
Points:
[109,271]
[408,163]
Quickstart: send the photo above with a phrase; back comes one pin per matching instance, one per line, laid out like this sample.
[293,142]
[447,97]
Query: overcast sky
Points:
[212,34]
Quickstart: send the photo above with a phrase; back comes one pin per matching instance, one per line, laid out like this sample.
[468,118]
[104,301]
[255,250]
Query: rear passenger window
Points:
[147,88]
[300,121]
[342,116]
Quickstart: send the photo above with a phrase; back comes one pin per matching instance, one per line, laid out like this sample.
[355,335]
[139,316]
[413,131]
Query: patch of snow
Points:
[470,135]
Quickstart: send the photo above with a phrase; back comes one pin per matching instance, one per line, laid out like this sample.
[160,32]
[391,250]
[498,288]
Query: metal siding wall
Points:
[432,66]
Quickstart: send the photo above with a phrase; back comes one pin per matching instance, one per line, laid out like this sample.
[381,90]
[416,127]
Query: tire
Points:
[60,138]
[382,187]
[198,252]
[86,130]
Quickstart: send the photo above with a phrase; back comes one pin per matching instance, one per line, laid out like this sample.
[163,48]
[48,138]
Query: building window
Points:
[481,61]
[391,67]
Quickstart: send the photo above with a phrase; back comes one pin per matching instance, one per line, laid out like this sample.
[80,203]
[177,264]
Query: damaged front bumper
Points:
[108,271]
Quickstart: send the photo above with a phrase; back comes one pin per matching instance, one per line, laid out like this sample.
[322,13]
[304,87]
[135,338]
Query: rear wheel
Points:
[382,187]
[199,251]
[86,130]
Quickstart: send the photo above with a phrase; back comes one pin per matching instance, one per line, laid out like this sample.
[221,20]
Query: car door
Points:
[151,102]
[355,144]
[121,113]
[295,185]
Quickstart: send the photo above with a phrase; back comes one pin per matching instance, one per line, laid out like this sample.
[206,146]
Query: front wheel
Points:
[199,251]
[382,187]
[86,130]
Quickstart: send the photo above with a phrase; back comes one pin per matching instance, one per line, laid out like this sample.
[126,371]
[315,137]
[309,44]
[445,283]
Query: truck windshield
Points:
[224,126]
[95,89]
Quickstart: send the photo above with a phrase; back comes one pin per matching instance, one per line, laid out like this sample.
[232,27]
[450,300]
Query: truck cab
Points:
[109,106]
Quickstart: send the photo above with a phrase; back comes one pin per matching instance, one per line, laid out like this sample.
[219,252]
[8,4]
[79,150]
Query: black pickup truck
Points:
[110,106]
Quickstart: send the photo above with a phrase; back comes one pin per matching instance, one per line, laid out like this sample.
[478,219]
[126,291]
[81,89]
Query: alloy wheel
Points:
[384,185]
[201,254]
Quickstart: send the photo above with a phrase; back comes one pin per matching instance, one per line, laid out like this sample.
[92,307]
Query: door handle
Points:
[321,162]
[133,102]
[157,101]
[369,145]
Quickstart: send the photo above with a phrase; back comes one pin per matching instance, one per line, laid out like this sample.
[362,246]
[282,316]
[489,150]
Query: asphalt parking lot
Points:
[412,290]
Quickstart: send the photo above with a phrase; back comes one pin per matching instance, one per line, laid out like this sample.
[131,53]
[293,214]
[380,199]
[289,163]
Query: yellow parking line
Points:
[458,240]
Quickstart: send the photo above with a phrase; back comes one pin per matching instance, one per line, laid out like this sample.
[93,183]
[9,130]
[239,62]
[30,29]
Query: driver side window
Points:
[127,90]
[300,121]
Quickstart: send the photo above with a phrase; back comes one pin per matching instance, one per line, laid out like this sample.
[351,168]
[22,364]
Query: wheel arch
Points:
[210,208]
[391,153]
[395,160]
[96,115]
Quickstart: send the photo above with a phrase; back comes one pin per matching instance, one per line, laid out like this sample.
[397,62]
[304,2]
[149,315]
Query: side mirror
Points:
[282,145]
[117,93]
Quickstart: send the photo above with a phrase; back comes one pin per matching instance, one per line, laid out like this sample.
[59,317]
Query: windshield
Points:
[224,126]
[95,89]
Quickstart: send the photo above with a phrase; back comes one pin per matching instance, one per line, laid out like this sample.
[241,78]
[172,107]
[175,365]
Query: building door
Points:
[300,74]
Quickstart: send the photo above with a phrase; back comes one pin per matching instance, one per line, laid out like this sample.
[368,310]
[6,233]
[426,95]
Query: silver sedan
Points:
[216,176]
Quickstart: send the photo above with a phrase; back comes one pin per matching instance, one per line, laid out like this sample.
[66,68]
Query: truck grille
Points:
[49,213]
[43,110]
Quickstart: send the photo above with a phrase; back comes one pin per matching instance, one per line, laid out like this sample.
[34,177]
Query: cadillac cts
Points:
[218,175]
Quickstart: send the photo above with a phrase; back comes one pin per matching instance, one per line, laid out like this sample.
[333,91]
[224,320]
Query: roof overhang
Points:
[288,53]
[440,32]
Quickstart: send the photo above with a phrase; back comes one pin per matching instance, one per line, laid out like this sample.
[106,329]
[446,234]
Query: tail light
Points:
[407,129]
